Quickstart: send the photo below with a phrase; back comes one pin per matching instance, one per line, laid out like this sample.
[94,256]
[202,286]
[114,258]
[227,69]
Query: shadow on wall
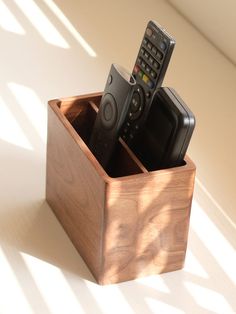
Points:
[44,51]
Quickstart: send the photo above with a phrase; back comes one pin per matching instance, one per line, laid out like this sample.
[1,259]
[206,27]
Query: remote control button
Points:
[108,111]
[148,69]
[109,79]
[142,50]
[156,65]
[143,64]
[136,106]
[163,45]
[145,78]
[140,74]
[146,54]
[136,69]
[131,136]
[154,35]
[150,84]
[153,74]
[145,41]
[149,45]
[151,60]
[159,55]
[149,31]
[136,115]
[148,94]
[154,50]
[135,102]
[139,60]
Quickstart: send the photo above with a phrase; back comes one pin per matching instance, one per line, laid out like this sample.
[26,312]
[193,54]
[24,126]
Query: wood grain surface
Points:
[75,191]
[126,226]
[146,224]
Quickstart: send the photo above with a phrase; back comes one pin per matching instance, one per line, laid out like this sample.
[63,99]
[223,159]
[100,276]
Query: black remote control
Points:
[167,132]
[149,71]
[117,96]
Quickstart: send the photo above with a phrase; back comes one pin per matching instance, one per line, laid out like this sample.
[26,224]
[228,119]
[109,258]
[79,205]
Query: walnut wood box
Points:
[125,224]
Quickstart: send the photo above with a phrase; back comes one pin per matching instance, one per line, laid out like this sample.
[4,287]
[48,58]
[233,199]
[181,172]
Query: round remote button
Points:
[149,31]
[109,79]
[162,45]
[108,111]
[135,102]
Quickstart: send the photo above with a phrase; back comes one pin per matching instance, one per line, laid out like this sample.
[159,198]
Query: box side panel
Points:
[75,192]
[146,224]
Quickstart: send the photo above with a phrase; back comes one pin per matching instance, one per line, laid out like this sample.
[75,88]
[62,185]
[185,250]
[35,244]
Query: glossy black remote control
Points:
[149,71]
[118,94]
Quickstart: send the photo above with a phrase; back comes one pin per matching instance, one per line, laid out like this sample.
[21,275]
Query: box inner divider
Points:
[81,113]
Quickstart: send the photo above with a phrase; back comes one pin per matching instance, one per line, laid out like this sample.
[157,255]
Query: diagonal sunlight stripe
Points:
[215,203]
[8,20]
[154,282]
[10,130]
[193,265]
[214,241]
[70,27]
[158,306]
[42,23]
[208,299]
[10,290]
[32,107]
[54,288]
[110,298]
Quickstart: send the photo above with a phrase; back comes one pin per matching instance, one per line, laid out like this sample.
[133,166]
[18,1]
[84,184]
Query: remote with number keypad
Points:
[149,71]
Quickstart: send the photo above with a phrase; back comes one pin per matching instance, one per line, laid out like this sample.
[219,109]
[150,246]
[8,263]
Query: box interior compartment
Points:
[82,114]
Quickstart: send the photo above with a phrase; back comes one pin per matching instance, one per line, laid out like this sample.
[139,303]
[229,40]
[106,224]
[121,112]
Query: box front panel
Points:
[147,225]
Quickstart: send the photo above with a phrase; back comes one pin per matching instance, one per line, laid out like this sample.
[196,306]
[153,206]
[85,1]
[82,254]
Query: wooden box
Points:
[125,224]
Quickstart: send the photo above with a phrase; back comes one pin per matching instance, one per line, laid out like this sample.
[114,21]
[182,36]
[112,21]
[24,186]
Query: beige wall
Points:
[206,79]
[216,19]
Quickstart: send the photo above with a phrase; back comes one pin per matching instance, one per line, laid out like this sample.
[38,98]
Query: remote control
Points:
[167,131]
[149,71]
[118,94]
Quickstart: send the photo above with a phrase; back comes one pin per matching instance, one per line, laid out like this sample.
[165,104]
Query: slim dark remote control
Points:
[118,94]
[149,71]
